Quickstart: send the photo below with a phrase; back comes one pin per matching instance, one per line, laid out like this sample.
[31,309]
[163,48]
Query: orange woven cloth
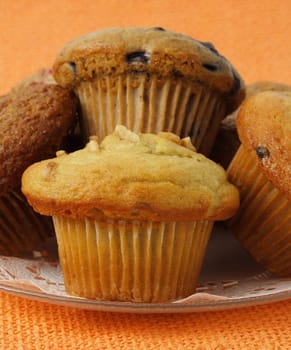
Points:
[32,325]
[255,37]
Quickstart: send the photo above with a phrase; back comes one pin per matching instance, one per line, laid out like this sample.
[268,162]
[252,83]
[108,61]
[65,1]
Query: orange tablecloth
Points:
[30,325]
[255,37]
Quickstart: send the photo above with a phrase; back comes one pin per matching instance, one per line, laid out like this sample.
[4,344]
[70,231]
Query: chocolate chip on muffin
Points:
[262,152]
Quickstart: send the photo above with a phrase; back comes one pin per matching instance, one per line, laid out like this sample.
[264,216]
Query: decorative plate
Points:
[230,278]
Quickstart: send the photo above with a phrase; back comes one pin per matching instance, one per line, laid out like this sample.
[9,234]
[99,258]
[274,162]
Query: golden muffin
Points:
[261,169]
[132,214]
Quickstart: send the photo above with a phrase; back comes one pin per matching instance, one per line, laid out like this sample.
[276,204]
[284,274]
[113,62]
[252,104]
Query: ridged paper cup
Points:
[22,230]
[148,104]
[263,222]
[131,260]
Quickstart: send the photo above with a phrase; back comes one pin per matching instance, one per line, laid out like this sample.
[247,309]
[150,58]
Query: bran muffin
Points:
[34,121]
[150,80]
[261,169]
[41,76]
[132,214]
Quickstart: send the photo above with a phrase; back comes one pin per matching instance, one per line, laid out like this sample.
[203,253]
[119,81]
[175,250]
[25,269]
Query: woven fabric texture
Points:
[27,324]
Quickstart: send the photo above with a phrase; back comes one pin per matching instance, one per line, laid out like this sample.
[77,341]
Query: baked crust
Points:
[34,120]
[132,176]
[122,51]
[41,76]
[264,128]
[266,85]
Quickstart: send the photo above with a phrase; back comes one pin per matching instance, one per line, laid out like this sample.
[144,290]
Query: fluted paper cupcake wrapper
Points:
[21,229]
[263,222]
[145,104]
[131,261]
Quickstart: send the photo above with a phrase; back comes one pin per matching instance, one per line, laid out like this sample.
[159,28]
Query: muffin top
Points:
[42,75]
[165,53]
[132,176]
[265,85]
[34,120]
[264,128]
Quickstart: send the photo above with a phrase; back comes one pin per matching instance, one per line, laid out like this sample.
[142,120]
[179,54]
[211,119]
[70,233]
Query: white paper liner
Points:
[262,222]
[144,104]
[21,228]
[131,260]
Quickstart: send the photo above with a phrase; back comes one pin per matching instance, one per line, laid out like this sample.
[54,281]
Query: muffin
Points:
[34,121]
[41,76]
[261,169]
[150,80]
[266,85]
[227,141]
[74,140]
[132,215]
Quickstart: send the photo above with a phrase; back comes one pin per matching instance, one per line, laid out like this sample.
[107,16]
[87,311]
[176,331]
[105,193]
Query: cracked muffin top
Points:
[34,121]
[135,50]
[264,128]
[132,176]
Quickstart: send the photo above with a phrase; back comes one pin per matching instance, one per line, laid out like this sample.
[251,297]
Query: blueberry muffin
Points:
[150,80]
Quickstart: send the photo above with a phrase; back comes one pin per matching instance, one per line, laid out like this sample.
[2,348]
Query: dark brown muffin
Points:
[41,76]
[34,122]
[4,100]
